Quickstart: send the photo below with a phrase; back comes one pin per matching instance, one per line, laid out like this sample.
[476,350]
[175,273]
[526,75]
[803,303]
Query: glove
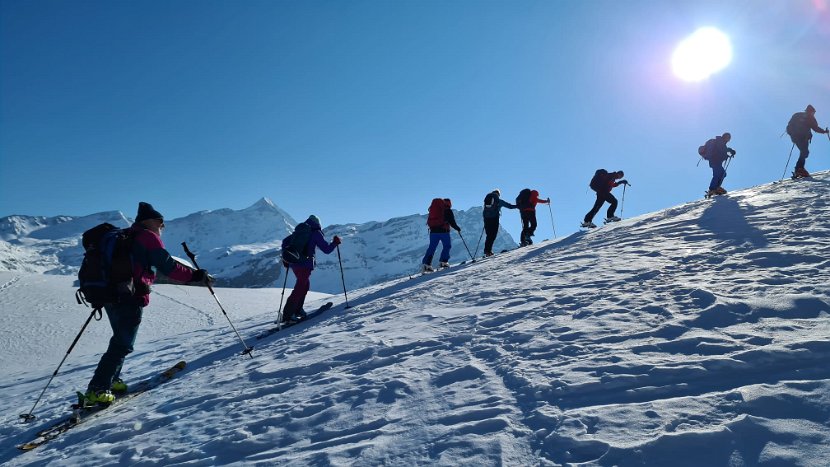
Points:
[458,230]
[731,152]
[548,200]
[202,277]
[623,182]
[284,264]
[336,240]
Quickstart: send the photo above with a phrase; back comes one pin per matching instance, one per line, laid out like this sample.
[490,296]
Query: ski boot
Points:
[611,219]
[118,386]
[425,268]
[800,173]
[444,265]
[719,190]
[93,398]
[588,225]
[488,254]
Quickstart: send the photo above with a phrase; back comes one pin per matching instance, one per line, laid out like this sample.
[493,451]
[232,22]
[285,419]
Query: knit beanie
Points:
[313,221]
[146,211]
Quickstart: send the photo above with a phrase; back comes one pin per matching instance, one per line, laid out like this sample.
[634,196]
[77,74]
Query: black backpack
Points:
[106,274]
[797,124]
[523,200]
[598,181]
[491,202]
[295,246]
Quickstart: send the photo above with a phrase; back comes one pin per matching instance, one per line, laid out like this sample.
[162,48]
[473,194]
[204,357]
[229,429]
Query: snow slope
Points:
[693,336]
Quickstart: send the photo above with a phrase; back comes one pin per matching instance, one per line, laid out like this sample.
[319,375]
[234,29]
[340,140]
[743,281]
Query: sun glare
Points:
[702,54]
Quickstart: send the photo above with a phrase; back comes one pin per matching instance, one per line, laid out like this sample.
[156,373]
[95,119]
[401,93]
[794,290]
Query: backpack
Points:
[598,180]
[523,200]
[490,203]
[106,274]
[436,213]
[797,123]
[702,150]
[295,246]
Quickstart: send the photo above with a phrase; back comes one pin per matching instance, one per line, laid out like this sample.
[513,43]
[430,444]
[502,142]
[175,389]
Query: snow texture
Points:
[694,336]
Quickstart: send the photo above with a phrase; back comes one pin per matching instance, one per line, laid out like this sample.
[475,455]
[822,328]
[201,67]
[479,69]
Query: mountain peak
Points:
[264,203]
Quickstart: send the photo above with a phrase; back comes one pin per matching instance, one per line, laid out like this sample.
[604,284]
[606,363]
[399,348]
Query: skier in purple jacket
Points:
[293,310]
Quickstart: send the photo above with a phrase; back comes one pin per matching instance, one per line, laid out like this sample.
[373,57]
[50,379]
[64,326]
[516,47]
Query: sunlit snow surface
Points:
[693,336]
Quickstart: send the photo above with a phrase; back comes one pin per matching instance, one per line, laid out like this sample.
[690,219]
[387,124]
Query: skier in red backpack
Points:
[527,208]
[440,220]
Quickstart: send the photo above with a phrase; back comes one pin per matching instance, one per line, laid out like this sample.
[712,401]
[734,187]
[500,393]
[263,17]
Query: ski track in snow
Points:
[693,336]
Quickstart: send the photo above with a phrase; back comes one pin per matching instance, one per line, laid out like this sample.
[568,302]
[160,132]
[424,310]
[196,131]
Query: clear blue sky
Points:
[365,110]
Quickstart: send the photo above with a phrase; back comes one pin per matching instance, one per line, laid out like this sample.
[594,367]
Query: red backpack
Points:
[436,213]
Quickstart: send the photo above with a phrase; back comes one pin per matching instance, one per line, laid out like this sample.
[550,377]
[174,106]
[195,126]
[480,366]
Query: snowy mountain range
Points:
[694,336]
[241,247]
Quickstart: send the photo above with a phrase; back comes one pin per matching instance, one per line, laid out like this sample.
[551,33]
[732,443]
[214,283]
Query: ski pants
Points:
[528,226]
[718,174]
[297,298]
[803,145]
[601,199]
[124,318]
[446,244]
[491,228]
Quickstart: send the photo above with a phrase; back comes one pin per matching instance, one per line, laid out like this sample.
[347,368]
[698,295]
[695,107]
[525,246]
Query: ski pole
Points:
[29,417]
[788,162]
[342,277]
[551,218]
[465,246]
[622,205]
[192,257]
[479,242]
[282,296]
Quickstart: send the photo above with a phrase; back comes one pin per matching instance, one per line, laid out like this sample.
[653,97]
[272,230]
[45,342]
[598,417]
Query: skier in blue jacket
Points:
[716,152]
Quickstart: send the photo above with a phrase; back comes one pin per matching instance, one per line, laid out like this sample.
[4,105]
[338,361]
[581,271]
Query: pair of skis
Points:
[276,329]
[81,414]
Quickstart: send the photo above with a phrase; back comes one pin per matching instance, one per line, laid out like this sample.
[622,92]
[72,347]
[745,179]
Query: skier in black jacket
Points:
[602,183]
[799,128]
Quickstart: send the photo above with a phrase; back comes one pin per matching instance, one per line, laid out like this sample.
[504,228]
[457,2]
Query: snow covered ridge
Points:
[241,248]
[694,336]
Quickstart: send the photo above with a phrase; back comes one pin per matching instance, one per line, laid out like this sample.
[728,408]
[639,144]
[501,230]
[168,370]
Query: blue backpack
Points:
[106,274]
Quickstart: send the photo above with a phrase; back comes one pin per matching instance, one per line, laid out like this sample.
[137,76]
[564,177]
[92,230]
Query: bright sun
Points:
[702,54]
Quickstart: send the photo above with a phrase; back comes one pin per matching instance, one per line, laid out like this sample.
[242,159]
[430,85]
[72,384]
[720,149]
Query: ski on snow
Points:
[309,316]
[83,414]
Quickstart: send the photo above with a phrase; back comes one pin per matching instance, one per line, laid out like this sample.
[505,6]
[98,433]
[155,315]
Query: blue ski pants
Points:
[446,244]
[718,174]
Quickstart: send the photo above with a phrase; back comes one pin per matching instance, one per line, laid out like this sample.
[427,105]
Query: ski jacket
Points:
[149,253]
[533,201]
[717,152]
[449,221]
[315,241]
[806,122]
[494,212]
